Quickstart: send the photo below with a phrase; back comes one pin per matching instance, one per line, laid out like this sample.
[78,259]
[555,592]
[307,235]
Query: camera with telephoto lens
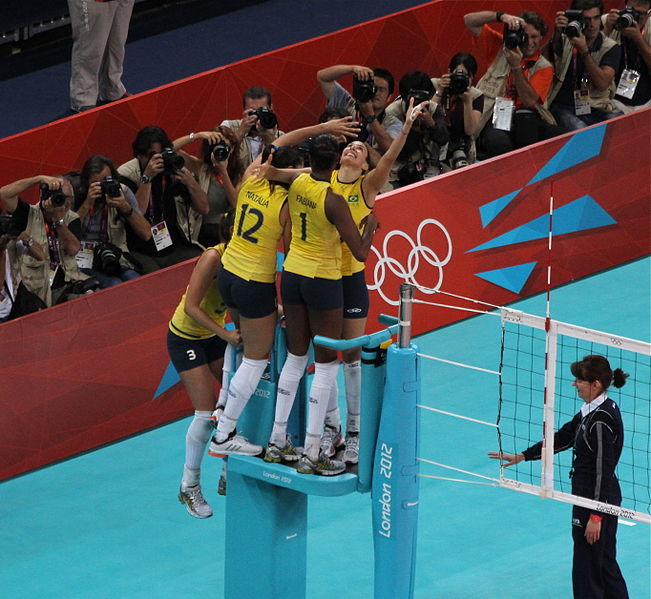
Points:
[459,83]
[106,259]
[457,156]
[419,96]
[515,38]
[56,196]
[575,23]
[9,226]
[220,151]
[172,162]
[266,117]
[627,18]
[110,187]
[364,90]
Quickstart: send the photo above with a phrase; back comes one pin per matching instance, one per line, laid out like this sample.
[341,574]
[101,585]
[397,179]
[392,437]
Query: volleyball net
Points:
[536,397]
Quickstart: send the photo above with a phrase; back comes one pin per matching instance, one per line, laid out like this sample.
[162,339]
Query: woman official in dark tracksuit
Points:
[596,435]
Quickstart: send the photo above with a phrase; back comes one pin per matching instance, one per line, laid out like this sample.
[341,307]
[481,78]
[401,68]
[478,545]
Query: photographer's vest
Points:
[493,85]
[472,147]
[246,151]
[599,99]
[36,273]
[616,35]
[187,218]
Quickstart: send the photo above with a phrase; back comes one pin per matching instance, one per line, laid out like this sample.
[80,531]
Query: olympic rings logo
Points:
[408,273]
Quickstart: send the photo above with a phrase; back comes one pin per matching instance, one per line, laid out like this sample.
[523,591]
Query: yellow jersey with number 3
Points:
[354,196]
[212,304]
[251,252]
[315,250]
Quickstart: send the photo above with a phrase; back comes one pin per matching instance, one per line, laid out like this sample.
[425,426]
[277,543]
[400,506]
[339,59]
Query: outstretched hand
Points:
[510,458]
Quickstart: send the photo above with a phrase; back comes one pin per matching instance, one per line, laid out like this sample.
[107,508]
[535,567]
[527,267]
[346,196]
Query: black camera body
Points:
[56,196]
[627,18]
[220,151]
[515,38]
[172,162]
[364,90]
[575,23]
[9,226]
[110,187]
[106,259]
[266,117]
[459,82]
[419,96]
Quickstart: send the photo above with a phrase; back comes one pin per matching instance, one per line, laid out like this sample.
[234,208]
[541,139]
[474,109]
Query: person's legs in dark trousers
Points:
[495,141]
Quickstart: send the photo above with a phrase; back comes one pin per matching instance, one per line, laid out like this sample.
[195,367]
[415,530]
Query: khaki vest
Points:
[616,36]
[185,214]
[36,273]
[600,99]
[493,85]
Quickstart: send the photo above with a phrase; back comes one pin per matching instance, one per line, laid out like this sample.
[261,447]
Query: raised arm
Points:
[475,21]
[327,77]
[10,192]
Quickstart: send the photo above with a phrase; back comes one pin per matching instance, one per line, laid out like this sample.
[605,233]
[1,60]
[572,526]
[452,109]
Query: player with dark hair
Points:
[596,436]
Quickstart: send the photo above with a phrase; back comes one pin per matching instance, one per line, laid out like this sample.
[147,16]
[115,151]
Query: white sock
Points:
[196,440]
[290,377]
[227,371]
[353,384]
[332,417]
[324,375]
[243,384]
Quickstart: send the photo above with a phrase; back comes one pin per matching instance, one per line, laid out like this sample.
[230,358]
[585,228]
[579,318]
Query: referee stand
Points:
[266,504]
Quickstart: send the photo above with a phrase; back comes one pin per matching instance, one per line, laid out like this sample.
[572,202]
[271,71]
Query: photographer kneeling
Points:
[463,106]
[55,228]
[106,209]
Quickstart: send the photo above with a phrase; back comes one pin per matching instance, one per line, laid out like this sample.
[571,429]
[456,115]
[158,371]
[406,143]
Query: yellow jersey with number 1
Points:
[251,252]
[354,196]
[212,304]
[315,250]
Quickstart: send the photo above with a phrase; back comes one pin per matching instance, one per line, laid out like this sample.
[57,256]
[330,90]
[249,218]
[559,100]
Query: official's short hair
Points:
[415,80]
[535,20]
[465,59]
[387,76]
[255,93]
[324,152]
[147,136]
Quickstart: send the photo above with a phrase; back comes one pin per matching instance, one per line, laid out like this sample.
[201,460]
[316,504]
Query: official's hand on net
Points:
[510,458]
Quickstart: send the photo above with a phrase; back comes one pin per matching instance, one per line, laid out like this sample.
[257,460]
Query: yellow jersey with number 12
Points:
[354,196]
[212,304]
[315,250]
[251,252]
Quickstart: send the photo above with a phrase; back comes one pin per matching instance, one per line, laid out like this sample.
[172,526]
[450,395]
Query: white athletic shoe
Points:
[323,466]
[234,444]
[331,441]
[196,505]
[276,454]
[351,453]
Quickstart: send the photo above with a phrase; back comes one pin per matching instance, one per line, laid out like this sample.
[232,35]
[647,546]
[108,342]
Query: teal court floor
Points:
[107,524]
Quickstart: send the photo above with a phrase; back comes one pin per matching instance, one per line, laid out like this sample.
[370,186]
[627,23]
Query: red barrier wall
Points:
[95,370]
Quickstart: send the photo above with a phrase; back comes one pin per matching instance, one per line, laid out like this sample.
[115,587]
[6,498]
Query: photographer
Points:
[107,209]
[218,168]
[419,158]
[516,83]
[372,90]
[258,125]
[585,63]
[170,199]
[463,106]
[53,228]
[631,28]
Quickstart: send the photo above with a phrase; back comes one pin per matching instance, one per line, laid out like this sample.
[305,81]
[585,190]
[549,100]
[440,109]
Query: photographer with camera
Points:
[631,28]
[463,105]
[219,169]
[419,158]
[585,63]
[372,90]
[515,84]
[107,209]
[170,199]
[258,125]
[51,227]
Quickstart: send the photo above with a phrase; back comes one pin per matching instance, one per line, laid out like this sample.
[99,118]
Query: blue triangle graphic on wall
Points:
[489,211]
[512,278]
[170,378]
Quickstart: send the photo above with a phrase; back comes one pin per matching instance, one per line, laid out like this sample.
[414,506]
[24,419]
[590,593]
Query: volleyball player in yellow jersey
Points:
[312,297]
[359,188]
[196,341]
